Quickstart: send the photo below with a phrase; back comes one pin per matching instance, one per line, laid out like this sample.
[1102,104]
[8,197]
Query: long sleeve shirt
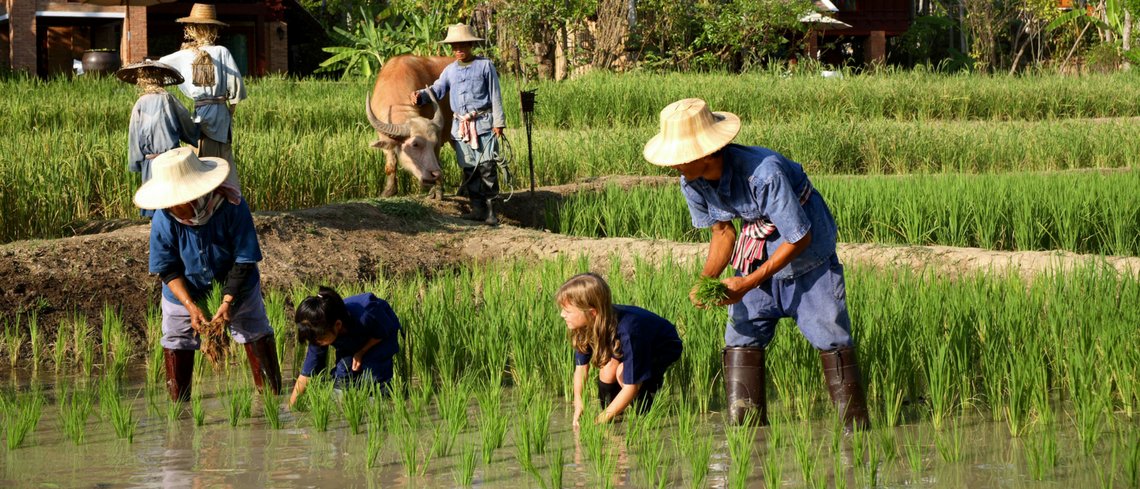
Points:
[369,318]
[158,123]
[215,118]
[470,87]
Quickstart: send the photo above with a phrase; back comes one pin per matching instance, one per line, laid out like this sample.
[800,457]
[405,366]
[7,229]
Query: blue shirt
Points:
[649,344]
[473,86]
[203,254]
[369,317]
[758,182]
[158,123]
[215,119]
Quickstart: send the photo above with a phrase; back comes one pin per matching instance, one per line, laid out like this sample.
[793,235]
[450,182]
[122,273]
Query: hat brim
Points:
[130,74]
[156,194]
[192,20]
[462,40]
[662,152]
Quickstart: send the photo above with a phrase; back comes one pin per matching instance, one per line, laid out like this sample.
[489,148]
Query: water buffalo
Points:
[411,135]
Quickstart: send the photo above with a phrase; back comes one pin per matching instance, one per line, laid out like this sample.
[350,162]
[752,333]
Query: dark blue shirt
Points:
[204,254]
[369,317]
[649,344]
[756,183]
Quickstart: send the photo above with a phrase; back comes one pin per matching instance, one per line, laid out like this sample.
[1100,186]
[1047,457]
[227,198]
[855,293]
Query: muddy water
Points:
[180,455]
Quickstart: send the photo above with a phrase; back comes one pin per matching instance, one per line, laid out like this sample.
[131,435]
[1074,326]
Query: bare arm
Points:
[359,355]
[298,389]
[178,287]
[580,373]
[720,253]
[784,254]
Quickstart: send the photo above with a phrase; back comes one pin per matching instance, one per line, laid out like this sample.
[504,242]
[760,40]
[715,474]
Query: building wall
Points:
[5,47]
[22,43]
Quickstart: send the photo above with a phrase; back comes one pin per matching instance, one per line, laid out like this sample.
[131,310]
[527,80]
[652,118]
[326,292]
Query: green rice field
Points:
[63,157]
[961,373]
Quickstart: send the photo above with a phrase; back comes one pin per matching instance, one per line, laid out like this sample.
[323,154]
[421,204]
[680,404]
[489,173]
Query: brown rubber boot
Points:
[841,372]
[263,363]
[179,373]
[744,386]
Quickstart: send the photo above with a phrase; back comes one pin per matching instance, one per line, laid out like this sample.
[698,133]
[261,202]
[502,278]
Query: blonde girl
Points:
[630,346]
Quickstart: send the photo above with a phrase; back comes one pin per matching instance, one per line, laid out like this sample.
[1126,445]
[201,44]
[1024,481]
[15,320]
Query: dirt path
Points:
[361,241]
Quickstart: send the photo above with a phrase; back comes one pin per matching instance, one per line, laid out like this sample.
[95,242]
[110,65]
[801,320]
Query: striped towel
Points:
[749,247]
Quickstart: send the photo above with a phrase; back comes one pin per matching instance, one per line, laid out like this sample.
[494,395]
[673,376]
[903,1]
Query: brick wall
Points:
[22,19]
[134,36]
[278,36]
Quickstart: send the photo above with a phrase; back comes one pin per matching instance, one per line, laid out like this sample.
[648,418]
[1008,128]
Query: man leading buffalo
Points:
[784,256]
[474,95]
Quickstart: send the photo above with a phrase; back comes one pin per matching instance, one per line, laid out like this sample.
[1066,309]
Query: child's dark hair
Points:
[317,315]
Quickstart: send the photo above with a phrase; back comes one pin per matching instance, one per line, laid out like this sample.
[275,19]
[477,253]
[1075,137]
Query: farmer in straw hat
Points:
[784,256]
[473,86]
[203,233]
[212,80]
[158,120]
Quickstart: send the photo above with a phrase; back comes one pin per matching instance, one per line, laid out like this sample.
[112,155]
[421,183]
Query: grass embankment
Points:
[1083,212]
[302,144]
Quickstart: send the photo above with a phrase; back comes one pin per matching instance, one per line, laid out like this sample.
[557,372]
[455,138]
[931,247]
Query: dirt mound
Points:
[365,240]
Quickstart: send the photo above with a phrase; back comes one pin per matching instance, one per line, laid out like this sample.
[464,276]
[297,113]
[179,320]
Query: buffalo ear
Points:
[382,144]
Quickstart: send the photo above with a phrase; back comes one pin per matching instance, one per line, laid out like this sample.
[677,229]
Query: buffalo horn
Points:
[394,131]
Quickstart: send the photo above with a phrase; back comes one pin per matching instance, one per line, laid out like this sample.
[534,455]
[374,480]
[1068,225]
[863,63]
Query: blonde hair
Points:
[587,291]
[200,35]
[150,81]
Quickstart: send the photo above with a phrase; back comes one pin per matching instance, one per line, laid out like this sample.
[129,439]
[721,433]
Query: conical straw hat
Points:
[130,73]
[202,13]
[178,176]
[460,33]
[690,131]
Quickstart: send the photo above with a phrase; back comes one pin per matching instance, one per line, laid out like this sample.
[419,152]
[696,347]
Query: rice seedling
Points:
[465,472]
[773,465]
[1041,453]
[452,404]
[320,401]
[555,465]
[197,409]
[492,424]
[407,441]
[524,448]
[949,442]
[888,445]
[116,342]
[238,403]
[74,410]
[869,472]
[1129,446]
[13,340]
[21,414]
[603,457]
[913,451]
[802,443]
[271,409]
[354,400]
[710,291]
[36,336]
[122,416]
[60,350]
[174,410]
[654,460]
[374,445]
[839,470]
[741,439]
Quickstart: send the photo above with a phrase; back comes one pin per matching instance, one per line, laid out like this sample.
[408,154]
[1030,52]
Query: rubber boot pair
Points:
[841,372]
[179,373]
[262,355]
[744,375]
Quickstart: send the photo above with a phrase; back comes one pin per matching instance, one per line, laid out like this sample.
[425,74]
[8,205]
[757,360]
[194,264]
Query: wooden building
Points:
[872,23]
[45,37]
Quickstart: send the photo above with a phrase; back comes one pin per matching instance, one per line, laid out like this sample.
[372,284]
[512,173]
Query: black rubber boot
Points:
[262,355]
[744,386]
[179,373]
[841,372]
[478,212]
[607,392]
[491,219]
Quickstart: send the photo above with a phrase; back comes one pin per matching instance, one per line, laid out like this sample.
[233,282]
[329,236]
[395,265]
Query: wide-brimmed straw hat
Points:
[460,33]
[179,176]
[690,131]
[202,13]
[130,73]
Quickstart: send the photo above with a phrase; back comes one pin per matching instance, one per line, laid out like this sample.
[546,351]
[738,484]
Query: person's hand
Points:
[198,320]
[498,131]
[356,363]
[415,97]
[737,287]
[693,298]
[223,313]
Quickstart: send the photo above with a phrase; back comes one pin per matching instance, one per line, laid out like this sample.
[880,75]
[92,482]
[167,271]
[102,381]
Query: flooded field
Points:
[173,452]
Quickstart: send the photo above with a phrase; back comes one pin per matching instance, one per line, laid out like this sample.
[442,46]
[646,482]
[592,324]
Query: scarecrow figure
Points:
[473,86]
[212,80]
[784,255]
[158,120]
